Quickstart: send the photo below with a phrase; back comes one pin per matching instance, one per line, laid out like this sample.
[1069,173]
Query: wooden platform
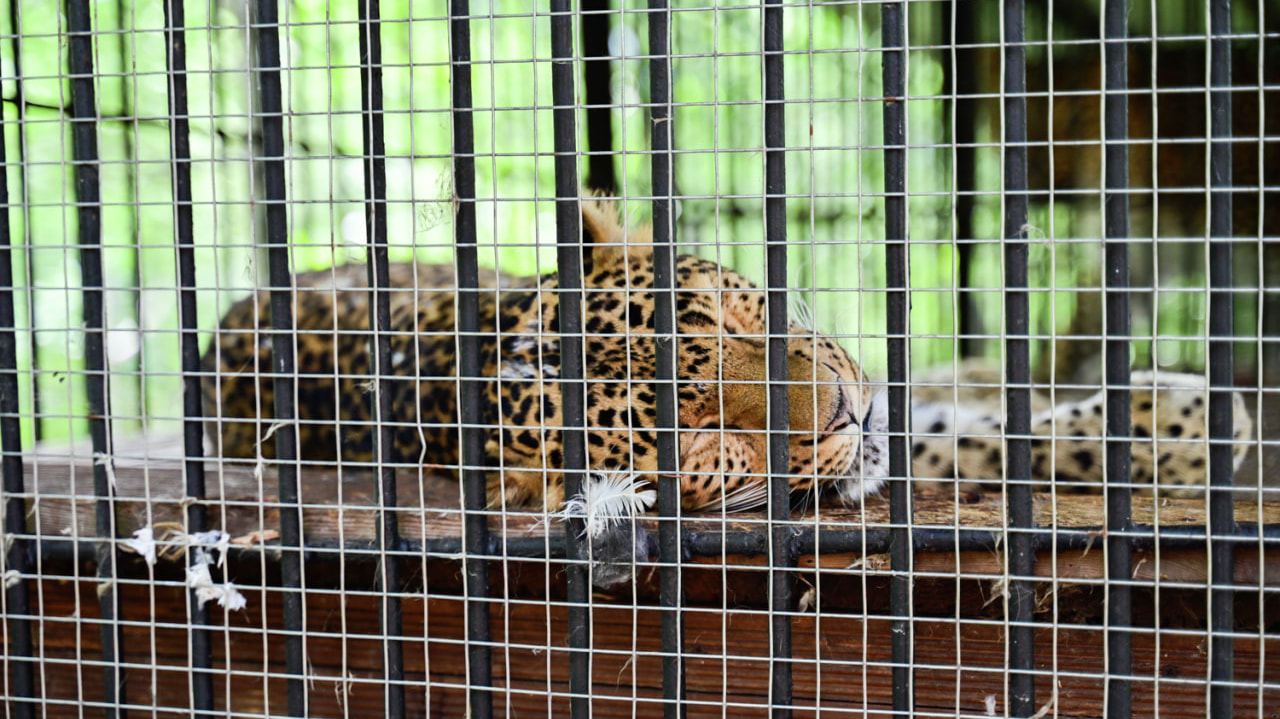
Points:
[841,636]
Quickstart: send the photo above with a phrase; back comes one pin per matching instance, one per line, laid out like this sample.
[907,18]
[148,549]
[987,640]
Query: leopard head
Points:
[835,422]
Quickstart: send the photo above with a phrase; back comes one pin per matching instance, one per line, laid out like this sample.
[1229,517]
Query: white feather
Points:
[607,500]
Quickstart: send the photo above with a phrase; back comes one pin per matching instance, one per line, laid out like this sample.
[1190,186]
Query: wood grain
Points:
[340,508]
[841,643]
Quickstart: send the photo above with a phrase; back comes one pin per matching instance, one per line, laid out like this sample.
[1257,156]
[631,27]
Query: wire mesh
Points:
[622,358]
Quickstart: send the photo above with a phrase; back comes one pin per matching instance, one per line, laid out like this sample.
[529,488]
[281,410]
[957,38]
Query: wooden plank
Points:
[340,509]
[1182,566]
[842,660]
[841,644]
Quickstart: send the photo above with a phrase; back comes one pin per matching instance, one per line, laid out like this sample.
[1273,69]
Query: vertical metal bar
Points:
[596,80]
[271,115]
[782,558]
[1118,460]
[472,456]
[201,647]
[964,107]
[375,195]
[129,372]
[18,653]
[572,388]
[1221,367]
[895,186]
[662,124]
[1021,553]
[84,136]
[20,112]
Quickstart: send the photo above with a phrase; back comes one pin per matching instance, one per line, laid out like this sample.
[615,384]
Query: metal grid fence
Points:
[349,593]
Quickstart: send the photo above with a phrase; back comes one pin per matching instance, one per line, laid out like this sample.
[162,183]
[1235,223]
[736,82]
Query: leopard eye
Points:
[712,422]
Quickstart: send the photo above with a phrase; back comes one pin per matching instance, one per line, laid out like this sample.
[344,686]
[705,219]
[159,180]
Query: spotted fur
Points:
[964,440]
[721,367]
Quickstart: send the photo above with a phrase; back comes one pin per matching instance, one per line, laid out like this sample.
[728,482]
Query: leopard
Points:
[959,429]
[837,422]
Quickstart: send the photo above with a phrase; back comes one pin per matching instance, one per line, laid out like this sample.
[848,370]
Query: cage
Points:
[614,358]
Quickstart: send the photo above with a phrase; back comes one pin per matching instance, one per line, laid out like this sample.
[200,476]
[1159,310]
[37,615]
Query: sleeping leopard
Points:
[837,423]
[957,429]
[839,441]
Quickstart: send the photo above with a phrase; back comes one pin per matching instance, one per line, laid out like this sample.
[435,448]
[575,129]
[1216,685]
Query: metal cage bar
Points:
[1221,609]
[1021,556]
[782,560]
[829,541]
[131,370]
[84,136]
[284,368]
[1117,457]
[375,194]
[662,124]
[20,119]
[569,297]
[1125,636]
[896,326]
[470,413]
[596,94]
[18,655]
[963,84]
[201,647]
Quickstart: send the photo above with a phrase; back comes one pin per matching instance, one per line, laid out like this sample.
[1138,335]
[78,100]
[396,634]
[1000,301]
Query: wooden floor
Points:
[842,639]
[842,661]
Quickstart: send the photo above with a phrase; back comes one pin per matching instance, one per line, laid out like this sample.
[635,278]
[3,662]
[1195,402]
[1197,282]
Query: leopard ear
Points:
[603,236]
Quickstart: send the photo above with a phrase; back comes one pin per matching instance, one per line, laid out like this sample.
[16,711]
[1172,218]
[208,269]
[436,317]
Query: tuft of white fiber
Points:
[200,579]
[144,543]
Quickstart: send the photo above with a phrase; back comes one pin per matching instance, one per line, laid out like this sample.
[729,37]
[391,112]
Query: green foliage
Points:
[834,118]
